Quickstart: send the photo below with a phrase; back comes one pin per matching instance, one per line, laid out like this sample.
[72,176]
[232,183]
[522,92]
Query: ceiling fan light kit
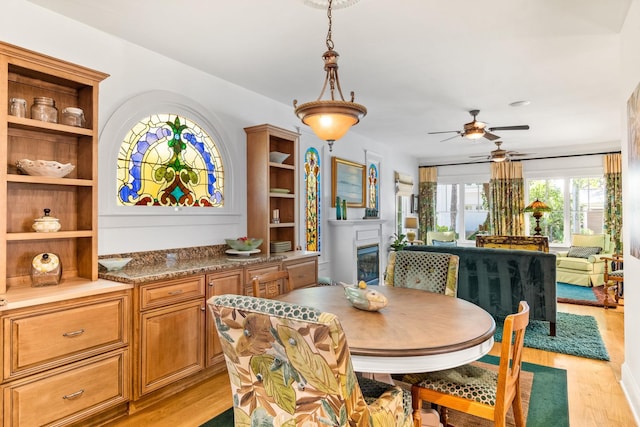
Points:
[330,119]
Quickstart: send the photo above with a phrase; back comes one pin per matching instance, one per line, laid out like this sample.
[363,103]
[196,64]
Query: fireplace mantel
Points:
[346,237]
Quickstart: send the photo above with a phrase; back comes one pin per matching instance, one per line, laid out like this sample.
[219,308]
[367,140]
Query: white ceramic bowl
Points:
[113,264]
[277,157]
[44,168]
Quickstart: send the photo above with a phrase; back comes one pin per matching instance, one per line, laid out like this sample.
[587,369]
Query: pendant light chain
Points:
[329,40]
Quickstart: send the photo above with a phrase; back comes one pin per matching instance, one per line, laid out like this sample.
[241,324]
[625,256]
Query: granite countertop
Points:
[164,265]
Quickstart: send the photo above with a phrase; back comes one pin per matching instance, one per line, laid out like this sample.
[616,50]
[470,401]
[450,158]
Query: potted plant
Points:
[399,242]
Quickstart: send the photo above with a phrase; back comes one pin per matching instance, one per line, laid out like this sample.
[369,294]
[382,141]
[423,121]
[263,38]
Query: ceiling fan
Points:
[500,155]
[477,129]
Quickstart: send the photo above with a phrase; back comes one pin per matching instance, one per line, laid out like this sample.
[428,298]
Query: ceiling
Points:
[418,66]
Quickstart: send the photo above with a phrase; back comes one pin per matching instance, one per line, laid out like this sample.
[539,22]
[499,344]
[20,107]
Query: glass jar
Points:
[73,116]
[44,109]
[18,107]
[46,270]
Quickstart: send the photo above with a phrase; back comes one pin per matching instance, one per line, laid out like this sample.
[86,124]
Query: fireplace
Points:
[355,250]
[368,264]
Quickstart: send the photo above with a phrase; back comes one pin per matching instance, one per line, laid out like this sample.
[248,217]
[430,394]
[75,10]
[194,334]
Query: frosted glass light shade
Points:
[330,120]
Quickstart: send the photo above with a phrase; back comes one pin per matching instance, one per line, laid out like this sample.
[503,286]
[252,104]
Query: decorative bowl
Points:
[277,157]
[244,243]
[364,298]
[114,264]
[48,168]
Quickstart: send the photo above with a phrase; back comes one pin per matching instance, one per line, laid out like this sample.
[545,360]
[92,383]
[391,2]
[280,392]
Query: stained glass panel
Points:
[312,180]
[168,160]
[374,189]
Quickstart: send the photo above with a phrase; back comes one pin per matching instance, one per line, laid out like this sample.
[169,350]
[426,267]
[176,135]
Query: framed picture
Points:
[347,182]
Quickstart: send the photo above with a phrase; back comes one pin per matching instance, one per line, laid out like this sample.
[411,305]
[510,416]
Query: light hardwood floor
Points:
[595,396]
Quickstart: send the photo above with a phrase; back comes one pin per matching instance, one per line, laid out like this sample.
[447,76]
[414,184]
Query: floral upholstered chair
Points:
[429,271]
[289,365]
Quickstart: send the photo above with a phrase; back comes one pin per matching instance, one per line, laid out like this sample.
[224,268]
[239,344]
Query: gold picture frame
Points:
[347,182]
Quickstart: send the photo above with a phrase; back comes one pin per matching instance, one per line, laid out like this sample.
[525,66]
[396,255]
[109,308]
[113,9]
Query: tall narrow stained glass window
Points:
[313,194]
[168,160]
[374,191]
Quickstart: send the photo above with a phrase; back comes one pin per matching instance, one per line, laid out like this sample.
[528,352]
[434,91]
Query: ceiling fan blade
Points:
[490,136]
[518,127]
[480,157]
[453,137]
[518,154]
[444,131]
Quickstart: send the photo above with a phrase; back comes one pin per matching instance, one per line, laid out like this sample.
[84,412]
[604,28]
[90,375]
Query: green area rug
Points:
[575,334]
[548,405]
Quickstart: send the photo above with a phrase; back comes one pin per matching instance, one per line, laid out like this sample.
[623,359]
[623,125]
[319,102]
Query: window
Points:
[476,209]
[447,207]
[582,212]
[168,160]
[587,205]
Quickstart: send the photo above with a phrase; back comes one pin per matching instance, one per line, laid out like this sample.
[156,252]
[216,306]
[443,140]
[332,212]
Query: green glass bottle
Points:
[338,209]
[344,209]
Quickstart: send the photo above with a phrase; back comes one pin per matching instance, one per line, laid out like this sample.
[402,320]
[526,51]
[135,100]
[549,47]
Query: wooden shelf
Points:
[263,175]
[72,199]
[49,181]
[49,236]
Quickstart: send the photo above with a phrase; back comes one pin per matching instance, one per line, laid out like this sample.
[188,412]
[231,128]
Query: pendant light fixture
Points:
[330,119]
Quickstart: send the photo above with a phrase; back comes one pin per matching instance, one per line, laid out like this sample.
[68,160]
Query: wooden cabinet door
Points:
[227,282]
[171,344]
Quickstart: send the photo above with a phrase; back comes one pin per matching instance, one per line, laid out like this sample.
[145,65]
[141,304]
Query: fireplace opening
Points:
[368,264]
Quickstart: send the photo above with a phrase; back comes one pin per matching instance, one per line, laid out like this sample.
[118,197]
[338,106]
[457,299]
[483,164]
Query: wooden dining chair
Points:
[613,277]
[475,390]
[267,285]
[290,365]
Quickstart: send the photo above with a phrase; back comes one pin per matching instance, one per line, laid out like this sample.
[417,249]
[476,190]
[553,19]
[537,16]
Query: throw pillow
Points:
[444,243]
[583,251]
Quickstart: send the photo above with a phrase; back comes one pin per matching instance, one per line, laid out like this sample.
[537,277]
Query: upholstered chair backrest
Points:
[289,365]
[430,271]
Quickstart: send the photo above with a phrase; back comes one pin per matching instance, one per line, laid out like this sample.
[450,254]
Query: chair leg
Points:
[518,413]
[416,403]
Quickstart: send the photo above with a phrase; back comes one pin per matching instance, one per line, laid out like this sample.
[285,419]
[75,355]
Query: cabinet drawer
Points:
[171,291]
[250,272]
[304,273]
[41,339]
[68,394]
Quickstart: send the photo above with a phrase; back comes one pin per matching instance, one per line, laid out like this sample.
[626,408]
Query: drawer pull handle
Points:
[73,395]
[178,292]
[73,334]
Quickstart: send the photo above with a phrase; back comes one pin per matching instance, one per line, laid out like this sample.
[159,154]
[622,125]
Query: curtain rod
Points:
[521,160]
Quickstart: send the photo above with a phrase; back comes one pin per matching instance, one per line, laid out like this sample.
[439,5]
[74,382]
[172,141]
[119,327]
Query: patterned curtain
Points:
[613,198]
[506,199]
[427,201]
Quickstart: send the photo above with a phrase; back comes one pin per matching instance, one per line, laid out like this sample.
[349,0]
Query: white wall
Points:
[133,71]
[630,79]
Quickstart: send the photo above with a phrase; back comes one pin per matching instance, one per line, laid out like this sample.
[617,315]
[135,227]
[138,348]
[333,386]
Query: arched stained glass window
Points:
[168,160]
[374,189]
[312,180]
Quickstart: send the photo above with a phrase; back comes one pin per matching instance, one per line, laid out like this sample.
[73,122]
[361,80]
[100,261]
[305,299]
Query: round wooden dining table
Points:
[417,331]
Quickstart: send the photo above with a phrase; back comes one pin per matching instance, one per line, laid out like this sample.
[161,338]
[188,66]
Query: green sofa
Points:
[498,279]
